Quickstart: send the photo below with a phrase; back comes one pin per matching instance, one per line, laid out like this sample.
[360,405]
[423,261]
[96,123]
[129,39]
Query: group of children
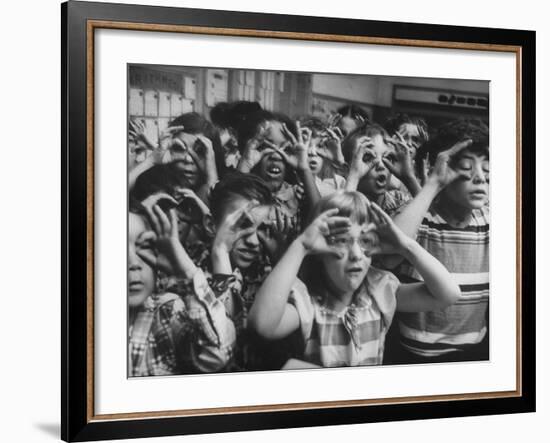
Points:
[257,242]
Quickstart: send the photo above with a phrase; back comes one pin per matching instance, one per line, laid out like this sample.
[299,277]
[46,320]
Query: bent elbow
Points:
[452,296]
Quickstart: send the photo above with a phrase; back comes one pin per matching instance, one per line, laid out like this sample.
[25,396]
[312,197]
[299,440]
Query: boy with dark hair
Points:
[450,219]
[223,291]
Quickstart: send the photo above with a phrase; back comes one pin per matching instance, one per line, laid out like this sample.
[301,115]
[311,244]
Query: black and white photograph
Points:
[283,220]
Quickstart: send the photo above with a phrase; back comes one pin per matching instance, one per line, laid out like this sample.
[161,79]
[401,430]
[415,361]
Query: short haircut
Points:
[354,112]
[238,184]
[370,130]
[160,178]
[315,124]
[230,115]
[247,126]
[194,123]
[457,130]
[393,124]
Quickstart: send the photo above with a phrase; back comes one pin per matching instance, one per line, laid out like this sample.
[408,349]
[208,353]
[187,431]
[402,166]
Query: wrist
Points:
[408,249]
[434,183]
[300,247]
[219,247]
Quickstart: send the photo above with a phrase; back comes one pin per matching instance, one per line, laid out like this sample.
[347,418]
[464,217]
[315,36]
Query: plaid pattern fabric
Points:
[151,350]
[465,253]
[355,336]
[204,333]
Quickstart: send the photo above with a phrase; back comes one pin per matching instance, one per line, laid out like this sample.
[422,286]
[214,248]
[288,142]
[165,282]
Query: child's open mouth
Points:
[274,170]
[381,181]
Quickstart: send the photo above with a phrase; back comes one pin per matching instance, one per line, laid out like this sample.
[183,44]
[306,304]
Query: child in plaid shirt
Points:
[345,308]
[161,325]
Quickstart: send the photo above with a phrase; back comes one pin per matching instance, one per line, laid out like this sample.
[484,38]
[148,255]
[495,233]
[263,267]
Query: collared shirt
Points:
[150,346]
[354,336]
[185,333]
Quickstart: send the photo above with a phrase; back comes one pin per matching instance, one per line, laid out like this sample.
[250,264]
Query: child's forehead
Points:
[137,225]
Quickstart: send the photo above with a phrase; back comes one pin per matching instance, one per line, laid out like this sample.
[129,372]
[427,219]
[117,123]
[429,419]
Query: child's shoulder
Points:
[433,220]
[377,278]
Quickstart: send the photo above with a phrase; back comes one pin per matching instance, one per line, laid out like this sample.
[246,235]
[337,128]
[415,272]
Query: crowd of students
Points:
[257,242]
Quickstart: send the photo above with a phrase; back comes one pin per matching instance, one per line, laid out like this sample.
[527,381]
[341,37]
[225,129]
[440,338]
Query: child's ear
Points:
[208,225]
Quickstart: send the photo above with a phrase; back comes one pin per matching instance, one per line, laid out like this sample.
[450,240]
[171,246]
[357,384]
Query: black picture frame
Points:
[77,418]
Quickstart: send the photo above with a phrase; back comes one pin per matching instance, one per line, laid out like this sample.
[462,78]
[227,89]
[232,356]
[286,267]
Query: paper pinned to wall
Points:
[190,88]
[151,103]
[216,86]
[164,104]
[135,105]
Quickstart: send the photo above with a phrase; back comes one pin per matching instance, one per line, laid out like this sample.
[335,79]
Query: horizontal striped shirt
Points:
[354,336]
[465,253]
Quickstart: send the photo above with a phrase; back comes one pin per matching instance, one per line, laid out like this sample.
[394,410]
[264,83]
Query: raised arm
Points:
[204,333]
[438,289]
[411,216]
[271,315]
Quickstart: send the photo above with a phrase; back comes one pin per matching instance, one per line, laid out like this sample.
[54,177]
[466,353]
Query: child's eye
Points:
[485,166]
[465,164]
[369,155]
[199,147]
[177,148]
[391,158]
[147,245]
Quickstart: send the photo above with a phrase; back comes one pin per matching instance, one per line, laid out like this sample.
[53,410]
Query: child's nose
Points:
[355,252]
[134,262]
[252,240]
[480,176]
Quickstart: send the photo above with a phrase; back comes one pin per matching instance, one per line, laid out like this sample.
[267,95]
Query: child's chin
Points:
[477,204]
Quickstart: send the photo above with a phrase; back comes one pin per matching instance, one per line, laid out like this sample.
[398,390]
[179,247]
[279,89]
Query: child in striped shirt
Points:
[344,309]
[450,219]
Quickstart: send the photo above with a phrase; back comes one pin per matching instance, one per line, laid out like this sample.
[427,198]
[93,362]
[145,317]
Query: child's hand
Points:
[314,238]
[391,239]
[137,132]
[400,164]
[166,137]
[332,149]
[255,149]
[231,229]
[205,158]
[170,250]
[363,159]
[275,236]
[189,194]
[298,148]
[443,173]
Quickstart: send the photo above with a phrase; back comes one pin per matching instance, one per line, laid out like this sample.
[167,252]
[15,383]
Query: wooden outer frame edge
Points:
[97,24]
